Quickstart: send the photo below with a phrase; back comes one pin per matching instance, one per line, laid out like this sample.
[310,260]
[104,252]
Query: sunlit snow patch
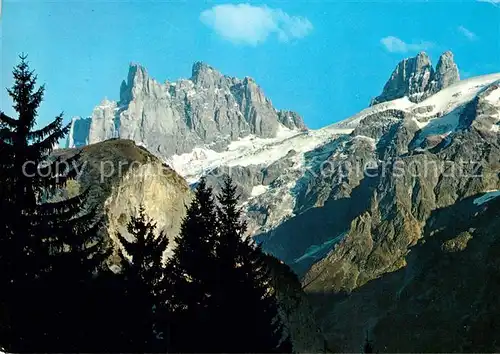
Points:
[456,95]
[258,190]
[494,97]
[448,103]
[349,124]
[250,150]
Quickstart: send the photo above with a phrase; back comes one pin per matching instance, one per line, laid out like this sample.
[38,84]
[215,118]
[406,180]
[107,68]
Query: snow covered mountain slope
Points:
[299,184]
[435,118]
[352,122]
[454,96]
[432,115]
[250,150]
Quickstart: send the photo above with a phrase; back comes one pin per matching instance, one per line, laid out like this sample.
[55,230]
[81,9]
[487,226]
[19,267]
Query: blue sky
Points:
[323,59]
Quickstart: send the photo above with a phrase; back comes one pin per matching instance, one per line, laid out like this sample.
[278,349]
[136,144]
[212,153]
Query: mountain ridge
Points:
[106,117]
[175,117]
[417,79]
[336,205]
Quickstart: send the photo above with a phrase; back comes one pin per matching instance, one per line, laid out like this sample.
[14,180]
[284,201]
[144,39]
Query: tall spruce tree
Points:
[48,250]
[221,291]
[143,272]
[190,273]
[244,292]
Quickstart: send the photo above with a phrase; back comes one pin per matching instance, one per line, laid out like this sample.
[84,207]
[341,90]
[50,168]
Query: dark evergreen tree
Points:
[190,274]
[143,273]
[368,346]
[48,250]
[222,298]
[244,293]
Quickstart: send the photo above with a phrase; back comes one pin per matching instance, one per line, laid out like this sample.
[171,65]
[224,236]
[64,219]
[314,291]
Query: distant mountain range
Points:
[175,117]
[388,216]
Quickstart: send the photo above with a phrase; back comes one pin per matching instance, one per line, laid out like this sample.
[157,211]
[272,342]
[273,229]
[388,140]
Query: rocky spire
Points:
[138,83]
[291,120]
[204,75]
[410,78]
[174,117]
[446,72]
[416,78]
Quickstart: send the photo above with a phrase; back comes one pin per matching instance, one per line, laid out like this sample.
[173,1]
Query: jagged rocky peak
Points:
[204,75]
[137,74]
[446,71]
[291,120]
[174,117]
[410,78]
[138,84]
[416,78]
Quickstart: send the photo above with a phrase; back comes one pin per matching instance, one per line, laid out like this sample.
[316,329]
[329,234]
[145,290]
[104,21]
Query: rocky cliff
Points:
[78,135]
[416,79]
[121,176]
[174,117]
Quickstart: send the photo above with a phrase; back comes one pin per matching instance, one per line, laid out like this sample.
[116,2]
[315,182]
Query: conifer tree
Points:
[49,250]
[244,292]
[190,273]
[143,273]
[368,346]
[222,297]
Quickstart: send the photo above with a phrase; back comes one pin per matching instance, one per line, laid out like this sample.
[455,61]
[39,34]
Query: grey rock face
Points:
[446,72]
[378,124]
[416,78]
[79,133]
[410,78]
[103,123]
[291,120]
[174,117]
[120,176]
[244,178]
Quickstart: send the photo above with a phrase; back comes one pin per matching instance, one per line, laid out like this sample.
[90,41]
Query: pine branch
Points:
[10,122]
[7,136]
[40,134]
[59,171]
[44,147]
[55,208]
